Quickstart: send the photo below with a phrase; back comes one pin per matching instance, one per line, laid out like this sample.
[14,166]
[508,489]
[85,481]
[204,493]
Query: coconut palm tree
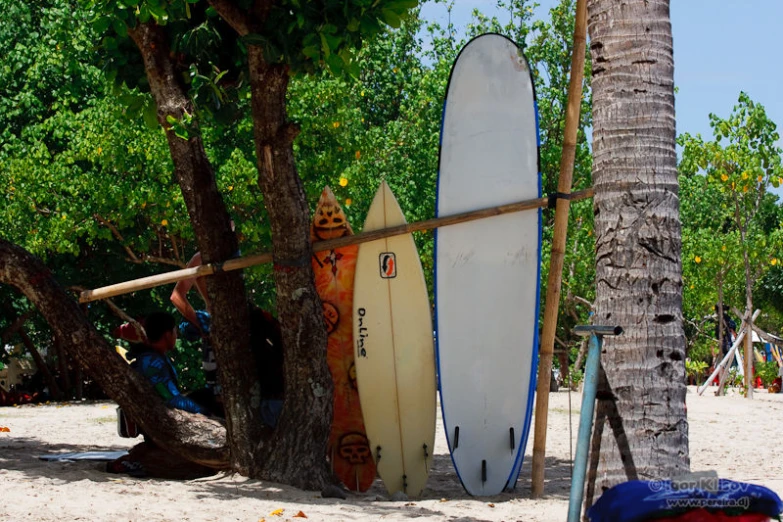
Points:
[641,430]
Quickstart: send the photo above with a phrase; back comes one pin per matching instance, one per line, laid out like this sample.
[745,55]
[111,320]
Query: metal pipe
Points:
[585,426]
[590,329]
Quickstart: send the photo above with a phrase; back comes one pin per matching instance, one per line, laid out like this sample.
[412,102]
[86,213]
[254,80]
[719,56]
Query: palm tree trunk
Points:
[641,430]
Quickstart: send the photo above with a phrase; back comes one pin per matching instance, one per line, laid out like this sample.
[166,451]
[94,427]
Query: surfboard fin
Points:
[377,454]
[405,483]
[456,437]
[513,439]
[426,451]
[483,471]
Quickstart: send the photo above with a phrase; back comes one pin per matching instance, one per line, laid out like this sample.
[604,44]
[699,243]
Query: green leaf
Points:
[150,115]
[401,6]
[391,18]
[158,12]
[101,24]
[336,64]
[120,28]
[369,26]
[144,14]
[313,52]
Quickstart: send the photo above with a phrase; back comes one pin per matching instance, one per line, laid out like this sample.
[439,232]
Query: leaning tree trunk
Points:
[641,430]
[193,437]
[230,331]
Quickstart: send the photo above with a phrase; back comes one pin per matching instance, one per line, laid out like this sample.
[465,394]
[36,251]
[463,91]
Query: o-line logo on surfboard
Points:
[387,262]
[360,349]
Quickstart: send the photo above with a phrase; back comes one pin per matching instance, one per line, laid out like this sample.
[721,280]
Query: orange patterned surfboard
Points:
[348,449]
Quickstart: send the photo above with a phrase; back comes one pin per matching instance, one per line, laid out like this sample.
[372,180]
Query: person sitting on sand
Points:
[153,363]
[149,357]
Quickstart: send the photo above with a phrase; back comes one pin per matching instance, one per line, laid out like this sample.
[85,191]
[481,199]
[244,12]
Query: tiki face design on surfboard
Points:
[329,221]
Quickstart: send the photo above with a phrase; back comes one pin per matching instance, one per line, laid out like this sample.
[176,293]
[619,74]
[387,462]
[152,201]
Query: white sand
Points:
[737,437]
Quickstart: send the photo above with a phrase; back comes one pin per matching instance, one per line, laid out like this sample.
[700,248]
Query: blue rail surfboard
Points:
[487,271]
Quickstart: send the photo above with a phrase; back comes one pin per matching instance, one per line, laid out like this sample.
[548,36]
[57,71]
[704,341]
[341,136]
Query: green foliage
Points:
[385,125]
[695,369]
[576,377]
[701,346]
[767,371]
[307,37]
[187,361]
[732,226]
[304,36]
[89,184]
[735,380]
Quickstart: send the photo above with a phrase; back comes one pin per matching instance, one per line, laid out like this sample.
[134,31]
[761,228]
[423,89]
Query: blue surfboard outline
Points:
[512,478]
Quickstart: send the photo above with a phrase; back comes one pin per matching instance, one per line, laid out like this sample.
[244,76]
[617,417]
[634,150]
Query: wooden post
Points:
[724,363]
[144,283]
[558,246]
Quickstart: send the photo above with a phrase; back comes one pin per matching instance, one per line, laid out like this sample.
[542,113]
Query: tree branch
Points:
[580,300]
[233,16]
[16,326]
[193,437]
[118,236]
[54,389]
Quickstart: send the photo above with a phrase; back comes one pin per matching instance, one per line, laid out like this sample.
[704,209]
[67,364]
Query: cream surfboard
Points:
[394,352]
[487,271]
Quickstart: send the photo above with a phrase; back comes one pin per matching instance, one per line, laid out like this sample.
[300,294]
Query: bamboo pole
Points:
[256,259]
[558,246]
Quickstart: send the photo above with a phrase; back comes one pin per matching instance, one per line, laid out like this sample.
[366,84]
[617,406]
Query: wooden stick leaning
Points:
[558,247]
[725,361]
[257,259]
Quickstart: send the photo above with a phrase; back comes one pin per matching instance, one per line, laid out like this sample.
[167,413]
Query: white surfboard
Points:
[487,271]
[395,356]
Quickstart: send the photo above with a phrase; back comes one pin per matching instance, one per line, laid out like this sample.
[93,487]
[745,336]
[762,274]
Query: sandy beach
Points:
[732,435]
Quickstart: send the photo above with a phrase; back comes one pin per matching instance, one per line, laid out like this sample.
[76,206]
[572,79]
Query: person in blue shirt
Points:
[153,363]
[149,358]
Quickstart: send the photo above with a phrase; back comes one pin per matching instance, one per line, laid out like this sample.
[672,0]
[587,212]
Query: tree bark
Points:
[193,437]
[748,348]
[299,456]
[296,454]
[230,330]
[641,430]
